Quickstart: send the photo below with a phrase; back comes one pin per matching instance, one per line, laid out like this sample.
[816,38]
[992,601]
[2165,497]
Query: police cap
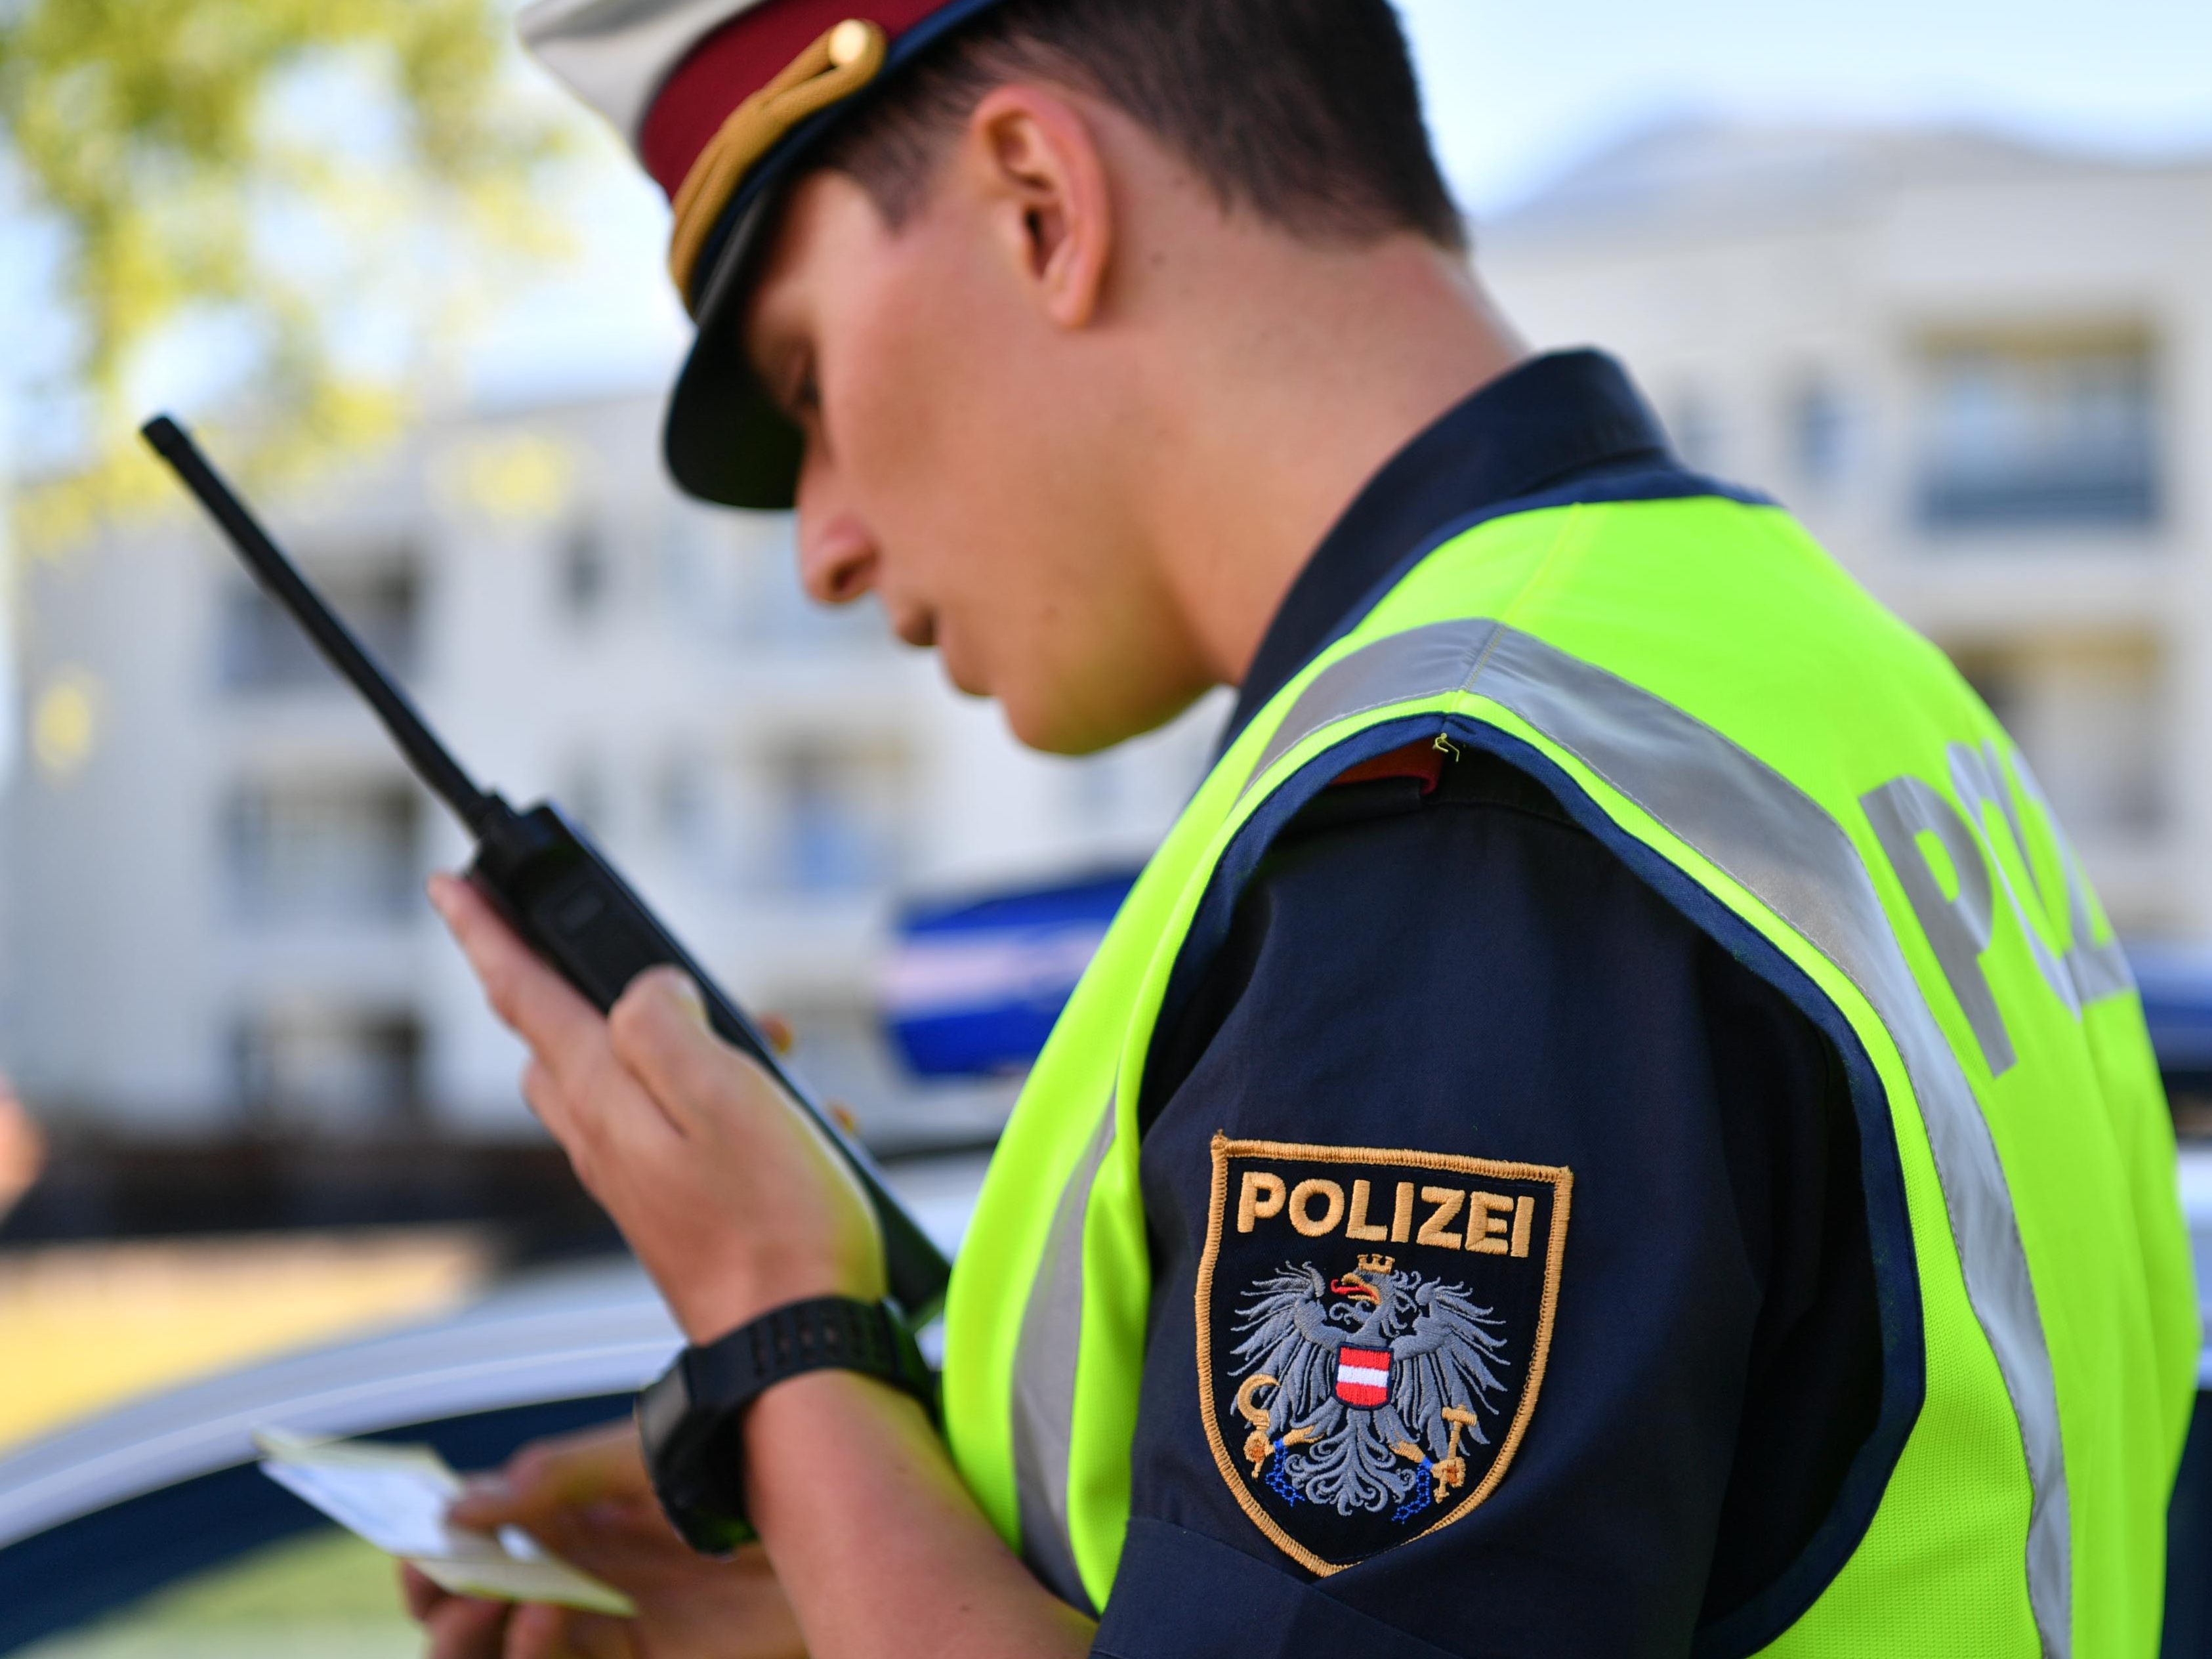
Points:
[723,102]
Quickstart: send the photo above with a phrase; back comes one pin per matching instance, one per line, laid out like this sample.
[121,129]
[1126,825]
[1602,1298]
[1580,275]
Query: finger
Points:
[464,1628]
[658,1031]
[598,1140]
[539,1633]
[419,1591]
[564,1032]
[554,1474]
[543,1094]
[595,1636]
[548,1632]
[532,1000]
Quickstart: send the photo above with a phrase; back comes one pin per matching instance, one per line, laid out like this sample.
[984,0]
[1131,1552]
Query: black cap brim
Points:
[726,440]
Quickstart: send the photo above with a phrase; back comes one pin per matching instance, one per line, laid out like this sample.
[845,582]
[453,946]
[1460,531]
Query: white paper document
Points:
[395,1497]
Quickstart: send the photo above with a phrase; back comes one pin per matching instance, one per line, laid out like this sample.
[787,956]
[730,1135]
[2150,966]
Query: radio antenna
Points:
[333,637]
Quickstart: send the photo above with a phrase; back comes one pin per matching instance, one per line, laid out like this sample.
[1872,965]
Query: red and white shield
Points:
[1363,1377]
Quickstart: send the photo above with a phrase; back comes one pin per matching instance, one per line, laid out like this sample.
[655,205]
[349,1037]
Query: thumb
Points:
[487,1503]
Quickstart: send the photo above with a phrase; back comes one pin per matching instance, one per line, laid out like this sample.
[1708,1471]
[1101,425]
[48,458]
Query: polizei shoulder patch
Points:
[1372,1333]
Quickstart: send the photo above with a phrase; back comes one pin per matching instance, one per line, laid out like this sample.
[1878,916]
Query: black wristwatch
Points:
[690,1419]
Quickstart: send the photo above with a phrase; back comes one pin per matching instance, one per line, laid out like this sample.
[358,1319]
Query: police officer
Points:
[1613,1124]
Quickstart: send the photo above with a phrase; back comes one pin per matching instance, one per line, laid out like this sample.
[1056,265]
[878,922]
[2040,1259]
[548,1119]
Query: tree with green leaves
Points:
[283,177]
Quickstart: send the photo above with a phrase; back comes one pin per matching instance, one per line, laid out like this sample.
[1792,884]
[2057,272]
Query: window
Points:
[772,607]
[586,571]
[818,818]
[329,1069]
[260,648]
[327,850]
[1819,432]
[699,812]
[2022,432]
[1695,426]
[704,565]
[839,821]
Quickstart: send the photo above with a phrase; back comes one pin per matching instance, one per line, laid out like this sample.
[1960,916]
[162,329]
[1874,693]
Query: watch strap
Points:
[691,1418]
[828,1333]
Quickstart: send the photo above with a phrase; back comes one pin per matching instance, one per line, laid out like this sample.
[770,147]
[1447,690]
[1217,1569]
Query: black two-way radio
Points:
[549,882]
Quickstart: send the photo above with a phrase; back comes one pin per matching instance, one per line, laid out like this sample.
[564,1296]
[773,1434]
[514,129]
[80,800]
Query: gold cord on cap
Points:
[835,66]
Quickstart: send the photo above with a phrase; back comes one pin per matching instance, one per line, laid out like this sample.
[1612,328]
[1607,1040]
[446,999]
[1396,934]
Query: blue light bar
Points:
[972,989]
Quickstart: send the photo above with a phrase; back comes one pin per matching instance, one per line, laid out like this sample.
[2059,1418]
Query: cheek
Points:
[910,377]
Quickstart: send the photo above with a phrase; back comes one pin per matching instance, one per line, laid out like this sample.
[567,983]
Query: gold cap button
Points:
[848,42]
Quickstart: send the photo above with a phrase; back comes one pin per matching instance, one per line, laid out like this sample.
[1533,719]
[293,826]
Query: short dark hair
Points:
[1306,113]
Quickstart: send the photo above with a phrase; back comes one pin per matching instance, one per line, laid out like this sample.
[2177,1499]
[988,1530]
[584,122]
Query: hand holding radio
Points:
[734,1202]
[560,900]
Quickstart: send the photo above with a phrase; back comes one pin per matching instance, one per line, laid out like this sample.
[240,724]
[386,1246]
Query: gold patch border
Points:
[1562,1180]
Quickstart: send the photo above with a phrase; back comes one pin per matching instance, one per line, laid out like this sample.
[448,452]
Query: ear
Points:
[1043,178]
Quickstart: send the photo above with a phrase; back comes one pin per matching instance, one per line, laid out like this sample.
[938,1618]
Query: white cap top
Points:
[614,54]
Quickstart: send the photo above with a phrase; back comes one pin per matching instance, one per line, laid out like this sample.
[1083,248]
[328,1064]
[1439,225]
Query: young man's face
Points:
[964,455]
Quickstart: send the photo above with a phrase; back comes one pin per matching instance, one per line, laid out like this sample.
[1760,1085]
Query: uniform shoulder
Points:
[1423,775]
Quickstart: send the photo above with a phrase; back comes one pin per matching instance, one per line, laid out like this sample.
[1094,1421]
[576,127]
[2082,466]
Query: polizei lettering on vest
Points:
[1951,864]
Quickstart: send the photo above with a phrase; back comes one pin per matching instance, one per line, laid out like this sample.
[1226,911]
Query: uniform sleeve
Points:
[1512,1289]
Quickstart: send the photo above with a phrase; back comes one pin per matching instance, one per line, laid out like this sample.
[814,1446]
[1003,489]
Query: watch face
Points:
[661,1409]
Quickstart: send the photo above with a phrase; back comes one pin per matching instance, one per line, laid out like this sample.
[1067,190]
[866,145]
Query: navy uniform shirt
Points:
[1436,958]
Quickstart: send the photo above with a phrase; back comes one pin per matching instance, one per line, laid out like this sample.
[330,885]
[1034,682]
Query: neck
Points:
[1294,378]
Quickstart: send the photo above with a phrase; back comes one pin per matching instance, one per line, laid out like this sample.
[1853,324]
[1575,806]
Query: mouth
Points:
[1355,1289]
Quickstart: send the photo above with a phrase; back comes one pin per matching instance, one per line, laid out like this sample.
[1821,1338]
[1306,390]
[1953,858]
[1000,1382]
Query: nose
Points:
[837,552]
[837,562]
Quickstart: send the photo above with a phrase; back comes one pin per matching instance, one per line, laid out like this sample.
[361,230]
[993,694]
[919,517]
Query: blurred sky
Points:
[1516,90]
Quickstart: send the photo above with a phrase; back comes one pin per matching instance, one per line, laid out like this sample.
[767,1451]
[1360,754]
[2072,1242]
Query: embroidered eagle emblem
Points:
[1372,1378]
[1373,1329]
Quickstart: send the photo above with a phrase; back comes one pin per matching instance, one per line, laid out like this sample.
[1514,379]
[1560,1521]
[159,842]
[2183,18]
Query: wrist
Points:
[692,1421]
[782,1435]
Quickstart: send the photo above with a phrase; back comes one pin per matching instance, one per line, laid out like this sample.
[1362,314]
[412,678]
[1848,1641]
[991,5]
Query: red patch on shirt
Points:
[1422,762]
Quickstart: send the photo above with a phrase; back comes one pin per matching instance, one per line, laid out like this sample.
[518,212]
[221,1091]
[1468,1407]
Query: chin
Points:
[1042,734]
[1051,713]
[1053,728]
[1036,724]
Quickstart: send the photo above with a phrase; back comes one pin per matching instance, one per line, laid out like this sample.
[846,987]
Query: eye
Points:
[803,400]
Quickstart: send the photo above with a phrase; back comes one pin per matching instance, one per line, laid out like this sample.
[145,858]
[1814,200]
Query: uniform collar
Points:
[1544,423]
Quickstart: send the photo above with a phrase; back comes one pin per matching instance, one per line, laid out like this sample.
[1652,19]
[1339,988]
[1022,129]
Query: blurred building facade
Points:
[217,858]
[1982,373]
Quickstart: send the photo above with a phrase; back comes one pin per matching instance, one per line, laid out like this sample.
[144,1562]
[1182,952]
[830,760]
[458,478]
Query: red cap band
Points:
[737,60]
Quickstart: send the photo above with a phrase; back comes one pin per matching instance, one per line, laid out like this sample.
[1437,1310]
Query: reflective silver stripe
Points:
[1427,662]
[1780,845]
[1044,1380]
[2098,970]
